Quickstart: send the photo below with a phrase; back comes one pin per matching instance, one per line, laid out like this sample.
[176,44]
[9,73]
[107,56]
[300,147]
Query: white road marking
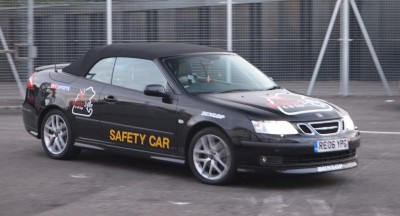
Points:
[178,203]
[320,207]
[389,101]
[383,211]
[381,132]
[79,176]
[274,199]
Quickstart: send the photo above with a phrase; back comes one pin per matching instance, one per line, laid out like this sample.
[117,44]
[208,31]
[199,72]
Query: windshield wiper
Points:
[235,90]
[243,90]
[274,87]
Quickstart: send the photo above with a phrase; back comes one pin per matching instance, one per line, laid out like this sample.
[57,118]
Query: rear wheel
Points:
[57,137]
[211,157]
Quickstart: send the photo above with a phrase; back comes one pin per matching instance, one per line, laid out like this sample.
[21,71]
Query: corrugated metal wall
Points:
[283,38]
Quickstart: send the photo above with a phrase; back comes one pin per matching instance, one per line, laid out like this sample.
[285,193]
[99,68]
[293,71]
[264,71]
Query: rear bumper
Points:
[30,120]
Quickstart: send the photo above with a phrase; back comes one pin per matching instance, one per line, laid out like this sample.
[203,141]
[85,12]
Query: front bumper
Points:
[295,155]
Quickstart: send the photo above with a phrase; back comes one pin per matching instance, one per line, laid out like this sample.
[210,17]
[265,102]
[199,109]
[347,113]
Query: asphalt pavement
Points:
[98,183]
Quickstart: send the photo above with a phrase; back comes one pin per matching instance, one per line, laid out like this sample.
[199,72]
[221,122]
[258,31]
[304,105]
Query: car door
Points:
[131,119]
[85,101]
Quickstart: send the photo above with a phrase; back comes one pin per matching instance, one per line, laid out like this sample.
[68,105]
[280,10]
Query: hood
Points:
[279,104]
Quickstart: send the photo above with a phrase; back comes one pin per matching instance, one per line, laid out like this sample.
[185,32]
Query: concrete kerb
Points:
[10,106]
[10,110]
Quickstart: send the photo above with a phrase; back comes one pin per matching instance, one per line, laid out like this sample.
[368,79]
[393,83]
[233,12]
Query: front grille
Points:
[322,128]
[326,127]
[305,129]
[319,158]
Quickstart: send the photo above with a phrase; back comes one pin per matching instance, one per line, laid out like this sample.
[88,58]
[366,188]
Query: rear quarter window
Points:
[102,70]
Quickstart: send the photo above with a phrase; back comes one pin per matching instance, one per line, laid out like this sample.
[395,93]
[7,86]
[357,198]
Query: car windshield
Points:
[218,73]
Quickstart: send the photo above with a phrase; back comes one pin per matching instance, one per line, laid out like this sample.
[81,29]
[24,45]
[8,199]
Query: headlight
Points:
[274,127]
[348,123]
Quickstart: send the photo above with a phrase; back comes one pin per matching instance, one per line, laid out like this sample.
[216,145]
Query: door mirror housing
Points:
[156,90]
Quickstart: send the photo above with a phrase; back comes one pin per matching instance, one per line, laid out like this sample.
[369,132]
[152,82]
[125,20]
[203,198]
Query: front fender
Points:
[236,125]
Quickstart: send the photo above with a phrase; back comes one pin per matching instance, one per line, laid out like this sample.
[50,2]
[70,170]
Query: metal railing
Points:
[282,38]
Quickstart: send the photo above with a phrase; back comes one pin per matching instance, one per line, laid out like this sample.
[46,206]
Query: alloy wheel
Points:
[55,134]
[212,157]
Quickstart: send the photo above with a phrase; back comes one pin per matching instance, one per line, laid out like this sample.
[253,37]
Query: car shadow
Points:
[183,173]
[121,161]
[287,181]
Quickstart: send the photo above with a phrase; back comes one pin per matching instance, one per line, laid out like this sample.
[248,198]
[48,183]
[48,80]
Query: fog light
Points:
[263,159]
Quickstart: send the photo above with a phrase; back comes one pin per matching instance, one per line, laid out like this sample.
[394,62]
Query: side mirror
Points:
[156,90]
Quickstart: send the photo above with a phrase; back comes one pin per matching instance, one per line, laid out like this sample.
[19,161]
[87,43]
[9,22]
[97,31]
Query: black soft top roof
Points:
[149,51]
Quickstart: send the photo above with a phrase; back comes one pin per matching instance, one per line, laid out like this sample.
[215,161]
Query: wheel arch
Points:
[43,114]
[196,128]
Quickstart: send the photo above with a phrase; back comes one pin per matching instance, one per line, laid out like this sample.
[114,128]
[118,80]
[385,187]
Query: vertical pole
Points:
[345,48]
[229,25]
[109,21]
[371,47]
[12,64]
[30,41]
[323,48]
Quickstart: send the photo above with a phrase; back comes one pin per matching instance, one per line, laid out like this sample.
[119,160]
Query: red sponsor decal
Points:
[83,105]
[82,92]
[54,86]
[284,103]
[291,104]
[78,103]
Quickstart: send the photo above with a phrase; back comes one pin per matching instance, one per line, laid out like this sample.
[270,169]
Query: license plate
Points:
[330,145]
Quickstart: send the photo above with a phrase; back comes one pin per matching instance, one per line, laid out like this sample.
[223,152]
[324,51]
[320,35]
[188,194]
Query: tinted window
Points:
[136,74]
[102,70]
[217,73]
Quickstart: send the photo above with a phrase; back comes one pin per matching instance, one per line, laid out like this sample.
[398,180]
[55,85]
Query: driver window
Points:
[102,70]
[136,74]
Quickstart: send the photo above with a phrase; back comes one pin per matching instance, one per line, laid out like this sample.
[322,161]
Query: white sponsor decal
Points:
[336,167]
[296,104]
[212,115]
[56,86]
[82,106]
[330,168]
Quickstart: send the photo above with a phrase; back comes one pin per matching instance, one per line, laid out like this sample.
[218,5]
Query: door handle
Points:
[110,99]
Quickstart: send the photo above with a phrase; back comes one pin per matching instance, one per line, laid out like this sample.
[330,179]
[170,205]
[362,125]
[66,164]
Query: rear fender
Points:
[43,114]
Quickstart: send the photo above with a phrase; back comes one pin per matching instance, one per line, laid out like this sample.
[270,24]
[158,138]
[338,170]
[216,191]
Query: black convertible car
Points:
[185,104]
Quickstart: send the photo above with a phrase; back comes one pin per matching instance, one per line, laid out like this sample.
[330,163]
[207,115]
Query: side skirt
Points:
[131,152]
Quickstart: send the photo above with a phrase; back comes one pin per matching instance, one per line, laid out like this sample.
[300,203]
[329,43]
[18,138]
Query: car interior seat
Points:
[185,74]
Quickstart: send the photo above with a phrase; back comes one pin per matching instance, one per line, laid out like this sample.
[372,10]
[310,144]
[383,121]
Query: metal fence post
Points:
[371,47]
[345,48]
[324,46]
[12,64]
[229,25]
[109,21]
[31,48]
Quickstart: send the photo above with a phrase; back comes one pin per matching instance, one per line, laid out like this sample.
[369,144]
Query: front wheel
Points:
[211,157]
[57,138]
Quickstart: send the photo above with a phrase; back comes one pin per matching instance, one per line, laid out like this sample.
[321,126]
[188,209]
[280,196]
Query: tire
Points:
[211,157]
[57,137]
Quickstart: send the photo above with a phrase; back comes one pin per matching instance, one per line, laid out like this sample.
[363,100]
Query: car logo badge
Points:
[319,115]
